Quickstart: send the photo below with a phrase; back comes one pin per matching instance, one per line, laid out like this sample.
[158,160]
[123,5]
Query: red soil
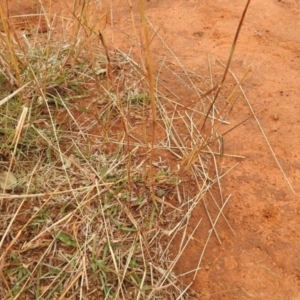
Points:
[262,261]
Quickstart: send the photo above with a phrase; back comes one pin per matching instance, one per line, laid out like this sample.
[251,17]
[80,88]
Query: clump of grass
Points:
[84,218]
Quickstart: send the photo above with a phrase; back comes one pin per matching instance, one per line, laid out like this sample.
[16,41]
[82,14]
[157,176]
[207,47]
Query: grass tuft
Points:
[102,165]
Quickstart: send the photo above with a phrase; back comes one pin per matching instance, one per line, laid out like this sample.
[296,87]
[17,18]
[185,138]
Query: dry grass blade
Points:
[7,98]
[229,59]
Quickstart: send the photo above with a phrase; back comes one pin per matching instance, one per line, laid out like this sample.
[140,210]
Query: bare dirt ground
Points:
[262,261]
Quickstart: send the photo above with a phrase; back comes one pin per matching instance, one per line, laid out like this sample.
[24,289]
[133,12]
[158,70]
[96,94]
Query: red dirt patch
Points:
[262,261]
